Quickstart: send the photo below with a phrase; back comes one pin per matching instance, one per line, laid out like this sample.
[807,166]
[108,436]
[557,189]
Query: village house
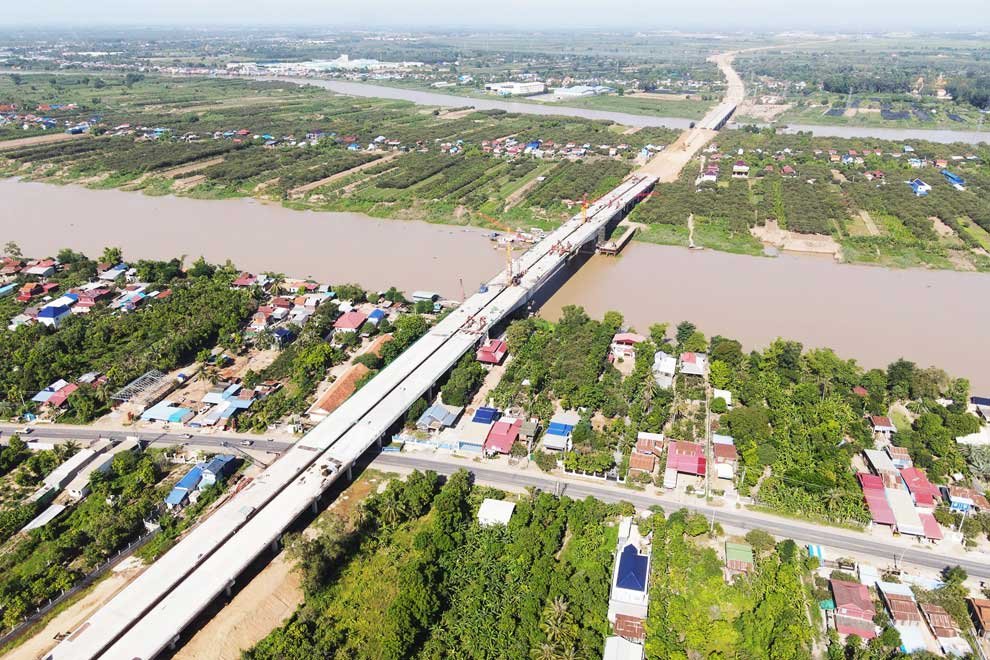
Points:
[882,427]
[740,170]
[349,322]
[624,345]
[492,351]
[899,456]
[738,558]
[979,612]
[664,368]
[694,364]
[854,609]
[684,458]
[629,595]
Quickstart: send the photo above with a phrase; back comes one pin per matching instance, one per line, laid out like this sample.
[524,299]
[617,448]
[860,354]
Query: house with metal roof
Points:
[502,436]
[438,416]
[738,557]
[684,458]
[905,616]
[946,631]
[854,609]
[924,493]
[664,368]
[979,612]
[495,512]
[695,364]
[620,648]
[492,351]
[218,469]
[558,433]
[188,484]
[472,435]
[630,577]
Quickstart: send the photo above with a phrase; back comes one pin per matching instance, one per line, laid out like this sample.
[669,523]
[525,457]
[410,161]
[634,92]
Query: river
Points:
[872,314]
[449,101]
[331,247]
[624,118]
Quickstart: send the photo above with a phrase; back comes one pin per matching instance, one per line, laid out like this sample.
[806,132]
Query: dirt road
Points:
[7,145]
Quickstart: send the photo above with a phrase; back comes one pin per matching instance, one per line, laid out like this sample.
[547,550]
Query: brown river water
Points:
[874,315]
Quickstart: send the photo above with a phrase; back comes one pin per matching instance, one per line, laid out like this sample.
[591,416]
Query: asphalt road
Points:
[56,432]
[781,527]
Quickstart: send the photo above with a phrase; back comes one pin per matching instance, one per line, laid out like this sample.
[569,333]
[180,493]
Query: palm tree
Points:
[557,623]
[66,449]
[544,652]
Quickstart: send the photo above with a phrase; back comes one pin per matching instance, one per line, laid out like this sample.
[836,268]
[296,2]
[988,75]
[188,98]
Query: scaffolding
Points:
[145,389]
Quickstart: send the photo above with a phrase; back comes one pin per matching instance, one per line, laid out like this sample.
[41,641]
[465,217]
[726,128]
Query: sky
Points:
[843,15]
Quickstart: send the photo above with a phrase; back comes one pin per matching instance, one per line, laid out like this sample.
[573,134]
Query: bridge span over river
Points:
[148,615]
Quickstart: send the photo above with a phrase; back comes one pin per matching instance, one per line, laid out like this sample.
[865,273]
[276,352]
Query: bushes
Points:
[463,381]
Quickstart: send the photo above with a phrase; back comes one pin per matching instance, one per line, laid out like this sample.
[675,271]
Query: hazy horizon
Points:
[771,15]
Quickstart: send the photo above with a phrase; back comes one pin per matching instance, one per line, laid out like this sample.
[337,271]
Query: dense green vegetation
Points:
[828,197]
[695,613]
[163,334]
[413,575]
[38,566]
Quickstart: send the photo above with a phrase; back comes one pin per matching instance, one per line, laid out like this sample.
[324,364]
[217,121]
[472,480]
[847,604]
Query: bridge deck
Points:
[145,617]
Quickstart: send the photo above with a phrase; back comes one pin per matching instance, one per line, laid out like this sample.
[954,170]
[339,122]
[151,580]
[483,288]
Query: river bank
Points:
[868,313]
[627,119]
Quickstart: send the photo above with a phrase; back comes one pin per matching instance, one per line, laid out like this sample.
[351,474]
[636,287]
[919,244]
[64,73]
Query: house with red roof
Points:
[502,436]
[624,345]
[350,322]
[861,391]
[695,364]
[882,426]
[244,280]
[686,457]
[854,609]
[924,493]
[492,351]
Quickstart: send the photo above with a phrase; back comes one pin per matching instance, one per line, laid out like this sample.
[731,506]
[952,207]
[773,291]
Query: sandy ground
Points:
[39,139]
[631,130]
[838,176]
[301,190]
[762,112]
[75,614]
[261,606]
[772,234]
[457,114]
[189,182]
[667,164]
[173,172]
[942,229]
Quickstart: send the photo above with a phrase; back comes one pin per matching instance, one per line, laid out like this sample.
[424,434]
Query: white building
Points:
[516,88]
[664,368]
[495,512]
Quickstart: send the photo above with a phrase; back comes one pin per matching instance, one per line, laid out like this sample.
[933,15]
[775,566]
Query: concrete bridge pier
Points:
[229,589]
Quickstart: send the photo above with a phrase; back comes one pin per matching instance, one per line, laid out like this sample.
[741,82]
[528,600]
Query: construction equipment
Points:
[508,248]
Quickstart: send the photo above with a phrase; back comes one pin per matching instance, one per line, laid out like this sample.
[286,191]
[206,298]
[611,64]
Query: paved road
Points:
[782,527]
[59,432]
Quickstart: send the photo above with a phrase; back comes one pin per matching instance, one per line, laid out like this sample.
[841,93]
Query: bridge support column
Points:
[275,546]
[350,476]
[378,440]
[315,505]
[229,589]
[173,643]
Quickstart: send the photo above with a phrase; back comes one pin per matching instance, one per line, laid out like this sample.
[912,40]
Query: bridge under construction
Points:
[148,615]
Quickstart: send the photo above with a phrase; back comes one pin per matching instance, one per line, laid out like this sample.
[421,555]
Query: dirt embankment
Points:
[782,239]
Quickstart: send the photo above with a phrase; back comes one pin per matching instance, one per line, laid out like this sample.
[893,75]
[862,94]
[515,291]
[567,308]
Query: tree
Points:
[695,343]
[954,575]
[720,374]
[761,541]
[12,250]
[719,406]
[112,256]
[684,330]
[658,333]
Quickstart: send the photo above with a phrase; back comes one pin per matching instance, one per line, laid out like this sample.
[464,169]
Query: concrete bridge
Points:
[148,616]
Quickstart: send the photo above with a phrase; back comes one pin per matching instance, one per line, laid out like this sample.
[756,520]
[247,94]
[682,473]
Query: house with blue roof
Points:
[438,416]
[630,594]
[218,469]
[485,415]
[189,483]
[954,180]
[376,316]
[558,434]
[53,315]
[919,187]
